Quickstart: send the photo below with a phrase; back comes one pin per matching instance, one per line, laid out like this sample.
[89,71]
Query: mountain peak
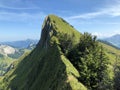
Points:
[46,29]
[49,70]
[115,40]
[117,35]
[52,27]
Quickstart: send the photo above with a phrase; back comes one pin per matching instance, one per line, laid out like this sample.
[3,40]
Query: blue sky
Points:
[22,19]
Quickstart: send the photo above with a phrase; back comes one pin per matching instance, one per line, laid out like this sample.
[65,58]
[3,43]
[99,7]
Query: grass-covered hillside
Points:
[112,53]
[48,66]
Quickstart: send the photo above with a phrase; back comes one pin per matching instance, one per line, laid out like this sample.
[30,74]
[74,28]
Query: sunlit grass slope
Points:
[114,58]
[46,67]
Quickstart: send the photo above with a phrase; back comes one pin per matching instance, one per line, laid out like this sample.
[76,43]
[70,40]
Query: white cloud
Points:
[23,5]
[17,4]
[86,15]
[109,10]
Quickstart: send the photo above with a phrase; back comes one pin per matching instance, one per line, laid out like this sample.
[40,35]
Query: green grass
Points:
[47,68]
[112,54]
[43,73]
[62,26]
[6,59]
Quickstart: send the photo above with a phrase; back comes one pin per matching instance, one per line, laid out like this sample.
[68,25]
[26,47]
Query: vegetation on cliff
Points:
[64,59]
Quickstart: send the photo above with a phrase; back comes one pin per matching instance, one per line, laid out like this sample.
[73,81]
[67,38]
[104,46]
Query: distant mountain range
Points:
[11,51]
[6,50]
[55,65]
[48,67]
[21,44]
[115,40]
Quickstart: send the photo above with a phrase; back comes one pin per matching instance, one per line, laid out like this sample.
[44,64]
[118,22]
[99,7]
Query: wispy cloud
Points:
[15,15]
[18,8]
[17,4]
[112,10]
[86,15]
[12,16]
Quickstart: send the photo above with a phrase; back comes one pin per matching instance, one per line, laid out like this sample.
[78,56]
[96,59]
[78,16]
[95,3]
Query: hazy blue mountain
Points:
[21,44]
[115,40]
[48,66]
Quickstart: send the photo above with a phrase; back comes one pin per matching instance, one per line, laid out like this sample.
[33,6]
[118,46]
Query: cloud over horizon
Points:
[111,10]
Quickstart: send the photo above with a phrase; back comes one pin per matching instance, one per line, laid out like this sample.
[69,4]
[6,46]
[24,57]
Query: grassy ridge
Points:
[47,68]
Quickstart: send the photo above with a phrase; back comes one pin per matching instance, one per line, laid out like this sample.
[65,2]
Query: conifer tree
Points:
[90,60]
[117,74]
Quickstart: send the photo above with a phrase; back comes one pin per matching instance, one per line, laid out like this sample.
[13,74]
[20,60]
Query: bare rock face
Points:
[5,50]
[45,35]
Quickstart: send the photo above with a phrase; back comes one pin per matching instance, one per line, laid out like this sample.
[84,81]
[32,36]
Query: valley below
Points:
[12,51]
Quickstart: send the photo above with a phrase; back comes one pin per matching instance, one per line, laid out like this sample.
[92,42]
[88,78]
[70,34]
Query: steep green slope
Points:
[114,58]
[112,53]
[46,67]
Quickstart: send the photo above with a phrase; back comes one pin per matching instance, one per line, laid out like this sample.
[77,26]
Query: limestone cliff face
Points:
[45,35]
[52,27]
[5,50]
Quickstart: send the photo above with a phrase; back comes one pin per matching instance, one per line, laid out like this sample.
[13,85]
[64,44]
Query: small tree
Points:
[66,42]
